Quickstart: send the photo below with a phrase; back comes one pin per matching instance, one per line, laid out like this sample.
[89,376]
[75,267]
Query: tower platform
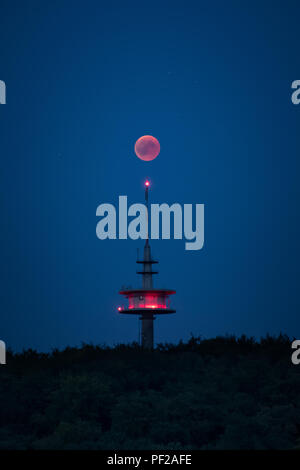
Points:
[140,301]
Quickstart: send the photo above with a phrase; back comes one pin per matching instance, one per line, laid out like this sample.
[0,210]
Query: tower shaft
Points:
[147,337]
[147,271]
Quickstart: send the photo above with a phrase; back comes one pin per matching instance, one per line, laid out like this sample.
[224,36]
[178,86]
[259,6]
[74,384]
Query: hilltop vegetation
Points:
[222,393]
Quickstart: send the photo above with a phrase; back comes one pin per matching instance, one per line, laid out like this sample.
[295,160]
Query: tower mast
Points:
[147,318]
[147,302]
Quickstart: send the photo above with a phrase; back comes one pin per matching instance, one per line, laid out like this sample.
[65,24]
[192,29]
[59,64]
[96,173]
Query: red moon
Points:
[147,148]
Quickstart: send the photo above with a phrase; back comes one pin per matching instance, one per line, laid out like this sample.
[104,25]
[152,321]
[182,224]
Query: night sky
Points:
[212,81]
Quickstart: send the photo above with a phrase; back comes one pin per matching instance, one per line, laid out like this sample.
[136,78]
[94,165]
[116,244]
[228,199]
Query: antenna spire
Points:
[147,184]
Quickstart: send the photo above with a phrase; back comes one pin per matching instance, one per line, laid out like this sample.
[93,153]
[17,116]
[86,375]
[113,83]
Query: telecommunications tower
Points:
[147,301]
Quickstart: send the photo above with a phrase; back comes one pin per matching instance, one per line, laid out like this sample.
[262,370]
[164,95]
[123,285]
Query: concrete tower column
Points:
[147,331]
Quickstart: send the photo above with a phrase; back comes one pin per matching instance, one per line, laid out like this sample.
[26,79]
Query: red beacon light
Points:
[147,183]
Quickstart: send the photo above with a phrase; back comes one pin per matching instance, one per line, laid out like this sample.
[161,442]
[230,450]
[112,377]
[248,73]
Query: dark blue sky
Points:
[210,80]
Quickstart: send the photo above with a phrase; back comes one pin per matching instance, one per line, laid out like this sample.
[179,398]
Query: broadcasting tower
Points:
[147,302]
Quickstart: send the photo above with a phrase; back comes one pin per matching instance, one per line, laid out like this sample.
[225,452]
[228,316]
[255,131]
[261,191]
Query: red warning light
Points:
[119,308]
[147,183]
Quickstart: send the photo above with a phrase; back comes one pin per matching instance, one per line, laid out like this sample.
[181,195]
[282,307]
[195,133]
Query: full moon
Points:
[147,148]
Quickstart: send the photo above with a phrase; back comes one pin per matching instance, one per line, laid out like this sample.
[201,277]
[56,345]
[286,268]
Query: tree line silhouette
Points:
[222,393]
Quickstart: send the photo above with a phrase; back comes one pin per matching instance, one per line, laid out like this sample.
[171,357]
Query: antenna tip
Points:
[147,183]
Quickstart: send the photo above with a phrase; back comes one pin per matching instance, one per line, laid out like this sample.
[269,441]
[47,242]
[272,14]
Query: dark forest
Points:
[222,393]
